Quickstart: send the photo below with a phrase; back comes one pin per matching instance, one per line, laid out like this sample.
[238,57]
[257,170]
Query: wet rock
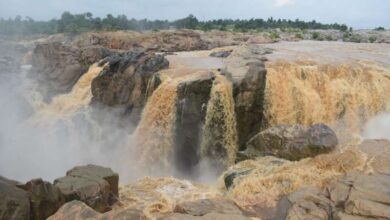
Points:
[45,198]
[59,66]
[206,206]
[210,216]
[94,185]
[14,202]
[292,142]
[231,175]
[191,105]
[221,54]
[127,81]
[355,196]
[248,74]
[306,203]
[77,210]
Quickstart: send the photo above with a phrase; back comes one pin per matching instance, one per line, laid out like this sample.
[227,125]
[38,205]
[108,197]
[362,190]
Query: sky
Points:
[356,13]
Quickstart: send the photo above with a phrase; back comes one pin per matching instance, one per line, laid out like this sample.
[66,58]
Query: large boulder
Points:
[292,142]
[59,66]
[94,185]
[45,198]
[355,196]
[191,106]
[14,202]
[127,81]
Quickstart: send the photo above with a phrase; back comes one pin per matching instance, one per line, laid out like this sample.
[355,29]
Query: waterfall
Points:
[344,96]
[155,132]
[219,139]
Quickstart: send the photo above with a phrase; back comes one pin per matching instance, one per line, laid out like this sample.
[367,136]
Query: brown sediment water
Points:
[79,97]
[270,179]
[157,197]
[155,132]
[219,138]
[344,96]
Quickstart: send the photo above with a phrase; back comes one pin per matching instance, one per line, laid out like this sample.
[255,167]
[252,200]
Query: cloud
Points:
[281,3]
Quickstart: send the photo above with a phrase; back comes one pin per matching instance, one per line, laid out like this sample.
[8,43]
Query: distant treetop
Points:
[77,23]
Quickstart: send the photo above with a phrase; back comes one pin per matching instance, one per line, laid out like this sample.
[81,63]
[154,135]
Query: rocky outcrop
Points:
[292,142]
[45,198]
[247,71]
[77,210]
[14,202]
[162,41]
[38,199]
[127,81]
[191,107]
[59,66]
[94,185]
[356,196]
[210,216]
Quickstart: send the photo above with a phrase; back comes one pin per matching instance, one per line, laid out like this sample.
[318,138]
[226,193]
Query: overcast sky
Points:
[355,13]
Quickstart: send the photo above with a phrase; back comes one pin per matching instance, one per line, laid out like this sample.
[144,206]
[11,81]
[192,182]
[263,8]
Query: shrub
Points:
[274,35]
[315,35]
[299,35]
[372,39]
[380,29]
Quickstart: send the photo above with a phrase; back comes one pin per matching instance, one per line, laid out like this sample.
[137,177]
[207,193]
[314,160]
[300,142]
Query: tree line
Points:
[77,23]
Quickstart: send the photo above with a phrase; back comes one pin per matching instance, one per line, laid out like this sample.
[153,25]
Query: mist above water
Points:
[36,145]
[378,127]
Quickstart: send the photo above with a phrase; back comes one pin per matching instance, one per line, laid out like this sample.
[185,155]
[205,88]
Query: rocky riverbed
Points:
[193,125]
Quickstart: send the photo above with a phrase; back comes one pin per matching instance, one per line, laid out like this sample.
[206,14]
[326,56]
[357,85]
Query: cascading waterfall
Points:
[155,132]
[344,96]
[79,97]
[219,139]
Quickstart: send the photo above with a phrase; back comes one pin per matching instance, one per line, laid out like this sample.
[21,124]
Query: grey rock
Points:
[191,107]
[94,185]
[128,81]
[14,202]
[221,54]
[45,198]
[292,142]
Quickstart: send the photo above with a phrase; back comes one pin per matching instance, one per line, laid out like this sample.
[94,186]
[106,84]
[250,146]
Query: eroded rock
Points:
[59,66]
[77,210]
[14,202]
[94,185]
[127,81]
[356,196]
[191,107]
[247,71]
[45,198]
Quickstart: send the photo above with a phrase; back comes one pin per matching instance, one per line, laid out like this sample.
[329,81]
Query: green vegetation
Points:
[372,39]
[380,29]
[315,35]
[76,23]
[299,36]
[274,35]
